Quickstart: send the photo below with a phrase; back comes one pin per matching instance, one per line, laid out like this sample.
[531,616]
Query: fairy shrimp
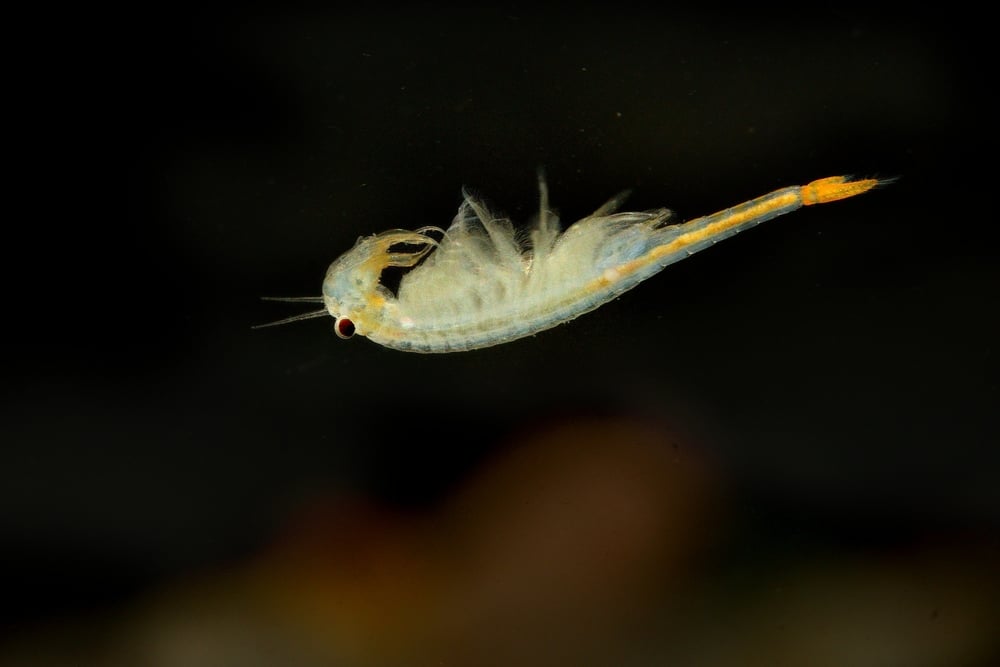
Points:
[481,282]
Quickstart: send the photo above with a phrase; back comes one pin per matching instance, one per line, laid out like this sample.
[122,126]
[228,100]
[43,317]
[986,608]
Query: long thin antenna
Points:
[293,318]
[294,299]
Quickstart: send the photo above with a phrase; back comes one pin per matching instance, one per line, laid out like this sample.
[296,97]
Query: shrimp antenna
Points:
[294,299]
[293,318]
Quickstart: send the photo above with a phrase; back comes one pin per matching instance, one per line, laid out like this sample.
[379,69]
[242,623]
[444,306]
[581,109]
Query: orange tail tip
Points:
[835,187]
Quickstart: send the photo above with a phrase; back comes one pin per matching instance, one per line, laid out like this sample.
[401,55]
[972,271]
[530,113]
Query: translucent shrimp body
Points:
[480,283]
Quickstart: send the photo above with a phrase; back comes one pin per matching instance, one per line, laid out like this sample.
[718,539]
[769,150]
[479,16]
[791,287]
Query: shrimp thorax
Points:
[482,264]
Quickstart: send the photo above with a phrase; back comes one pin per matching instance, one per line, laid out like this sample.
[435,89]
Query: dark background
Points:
[838,366]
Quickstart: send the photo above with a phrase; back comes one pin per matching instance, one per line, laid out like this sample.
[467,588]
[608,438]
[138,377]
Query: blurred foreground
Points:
[598,542]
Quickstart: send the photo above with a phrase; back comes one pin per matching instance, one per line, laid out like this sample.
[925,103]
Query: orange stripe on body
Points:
[820,191]
[734,217]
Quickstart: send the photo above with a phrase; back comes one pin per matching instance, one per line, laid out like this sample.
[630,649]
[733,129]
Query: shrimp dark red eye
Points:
[343,327]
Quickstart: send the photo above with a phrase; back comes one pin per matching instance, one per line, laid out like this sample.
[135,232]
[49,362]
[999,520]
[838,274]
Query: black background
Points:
[840,363]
